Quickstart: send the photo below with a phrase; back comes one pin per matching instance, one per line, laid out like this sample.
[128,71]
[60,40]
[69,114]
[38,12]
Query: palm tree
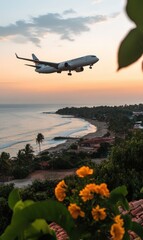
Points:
[28,151]
[20,157]
[39,140]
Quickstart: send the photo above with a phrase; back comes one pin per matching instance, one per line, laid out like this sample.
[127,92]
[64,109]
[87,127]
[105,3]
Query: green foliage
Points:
[68,160]
[92,226]
[129,154]
[131,48]
[134,11]
[118,118]
[115,176]
[118,196]
[14,197]
[135,227]
[5,211]
[29,220]
[5,165]
[20,171]
[102,151]
[39,190]
[5,214]
[125,165]
[5,190]
[39,140]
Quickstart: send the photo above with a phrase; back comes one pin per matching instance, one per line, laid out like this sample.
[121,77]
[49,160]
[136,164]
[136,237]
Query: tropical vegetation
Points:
[90,208]
[89,211]
[39,140]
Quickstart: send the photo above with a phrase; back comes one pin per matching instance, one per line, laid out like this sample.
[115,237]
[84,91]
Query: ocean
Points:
[20,124]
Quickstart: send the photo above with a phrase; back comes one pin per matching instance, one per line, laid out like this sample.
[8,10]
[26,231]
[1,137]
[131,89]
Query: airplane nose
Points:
[97,59]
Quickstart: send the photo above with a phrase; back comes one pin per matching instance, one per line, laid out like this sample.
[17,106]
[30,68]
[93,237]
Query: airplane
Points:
[76,64]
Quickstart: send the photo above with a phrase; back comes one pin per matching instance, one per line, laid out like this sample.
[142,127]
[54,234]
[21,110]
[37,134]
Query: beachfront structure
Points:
[95,142]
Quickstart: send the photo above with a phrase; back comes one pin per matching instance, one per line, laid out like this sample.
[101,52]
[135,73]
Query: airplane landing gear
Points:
[90,66]
[69,74]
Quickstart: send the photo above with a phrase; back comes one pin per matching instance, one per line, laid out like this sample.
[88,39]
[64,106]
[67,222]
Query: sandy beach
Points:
[101,130]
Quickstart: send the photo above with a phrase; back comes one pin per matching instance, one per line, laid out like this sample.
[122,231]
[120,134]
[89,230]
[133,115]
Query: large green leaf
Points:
[122,190]
[117,196]
[134,10]
[127,221]
[38,229]
[13,198]
[49,210]
[21,205]
[131,48]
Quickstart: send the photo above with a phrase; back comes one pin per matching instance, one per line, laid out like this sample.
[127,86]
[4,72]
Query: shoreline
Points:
[101,130]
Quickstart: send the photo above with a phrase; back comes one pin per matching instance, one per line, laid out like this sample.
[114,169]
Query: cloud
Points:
[69,11]
[38,27]
[114,15]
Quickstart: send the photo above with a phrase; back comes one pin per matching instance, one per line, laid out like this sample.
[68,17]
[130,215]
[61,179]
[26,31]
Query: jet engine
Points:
[79,69]
[63,66]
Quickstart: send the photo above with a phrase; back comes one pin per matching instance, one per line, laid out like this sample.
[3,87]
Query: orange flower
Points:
[75,211]
[92,187]
[98,213]
[60,191]
[103,190]
[119,220]
[62,184]
[84,171]
[86,194]
[117,231]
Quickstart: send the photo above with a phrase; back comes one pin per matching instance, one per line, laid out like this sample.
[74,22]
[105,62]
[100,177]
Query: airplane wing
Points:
[29,65]
[51,64]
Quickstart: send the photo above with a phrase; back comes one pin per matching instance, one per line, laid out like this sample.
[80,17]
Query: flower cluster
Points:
[90,189]
[90,205]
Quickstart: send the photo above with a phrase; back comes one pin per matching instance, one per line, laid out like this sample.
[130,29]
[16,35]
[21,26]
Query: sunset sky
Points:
[60,30]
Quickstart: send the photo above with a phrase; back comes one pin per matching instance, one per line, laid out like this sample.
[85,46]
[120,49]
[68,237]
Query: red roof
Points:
[60,233]
[99,140]
[136,212]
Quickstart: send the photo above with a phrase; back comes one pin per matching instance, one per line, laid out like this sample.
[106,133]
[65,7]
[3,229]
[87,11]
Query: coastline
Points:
[101,130]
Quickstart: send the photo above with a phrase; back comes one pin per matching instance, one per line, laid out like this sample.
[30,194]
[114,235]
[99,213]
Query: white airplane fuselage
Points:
[76,64]
[73,64]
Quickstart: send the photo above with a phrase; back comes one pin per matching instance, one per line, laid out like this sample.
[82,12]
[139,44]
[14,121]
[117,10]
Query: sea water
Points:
[20,124]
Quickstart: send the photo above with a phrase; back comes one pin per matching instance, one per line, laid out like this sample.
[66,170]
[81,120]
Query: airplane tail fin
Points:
[35,59]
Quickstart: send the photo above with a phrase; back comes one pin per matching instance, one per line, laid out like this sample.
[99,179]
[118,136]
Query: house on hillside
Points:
[95,142]
[138,125]
[137,113]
